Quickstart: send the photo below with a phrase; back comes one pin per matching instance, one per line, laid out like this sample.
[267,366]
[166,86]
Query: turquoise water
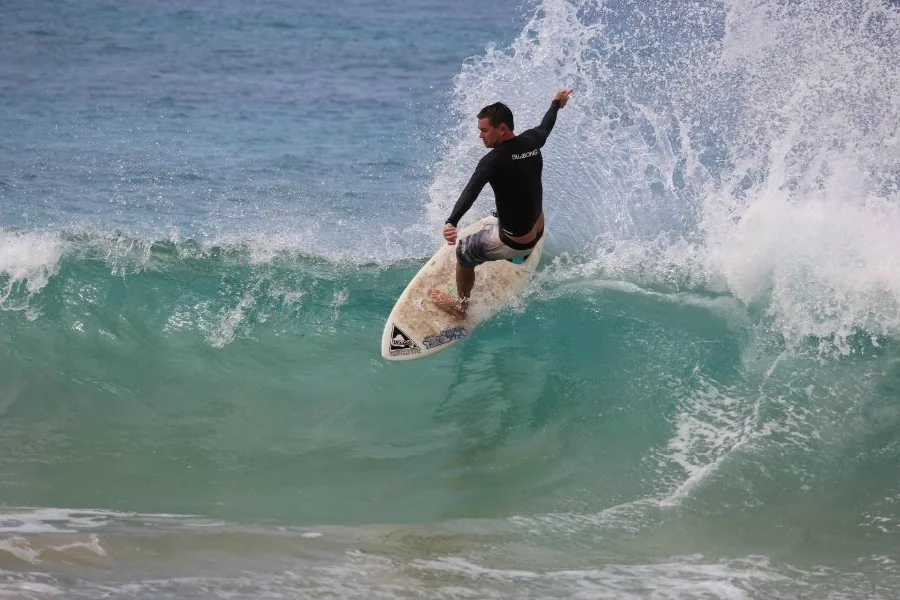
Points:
[208,211]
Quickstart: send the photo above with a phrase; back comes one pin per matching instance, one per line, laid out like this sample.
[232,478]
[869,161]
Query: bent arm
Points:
[543,130]
[476,183]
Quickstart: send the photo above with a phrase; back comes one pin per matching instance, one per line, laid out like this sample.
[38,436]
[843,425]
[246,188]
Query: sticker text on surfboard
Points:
[444,337]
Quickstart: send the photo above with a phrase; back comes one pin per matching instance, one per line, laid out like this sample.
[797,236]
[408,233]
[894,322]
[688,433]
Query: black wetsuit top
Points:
[514,171]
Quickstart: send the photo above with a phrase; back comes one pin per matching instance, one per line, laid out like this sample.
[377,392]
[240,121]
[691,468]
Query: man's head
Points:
[495,122]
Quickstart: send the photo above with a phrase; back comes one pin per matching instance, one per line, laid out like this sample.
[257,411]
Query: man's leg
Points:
[459,306]
[470,251]
[465,281]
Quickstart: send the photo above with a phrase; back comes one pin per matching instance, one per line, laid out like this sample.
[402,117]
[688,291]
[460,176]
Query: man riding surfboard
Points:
[513,167]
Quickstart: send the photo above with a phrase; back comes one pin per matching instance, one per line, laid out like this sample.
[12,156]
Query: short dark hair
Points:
[497,113]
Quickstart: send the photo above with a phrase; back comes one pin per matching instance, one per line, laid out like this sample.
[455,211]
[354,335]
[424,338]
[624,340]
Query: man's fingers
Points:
[450,234]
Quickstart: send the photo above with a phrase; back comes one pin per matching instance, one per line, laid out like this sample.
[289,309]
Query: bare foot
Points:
[449,304]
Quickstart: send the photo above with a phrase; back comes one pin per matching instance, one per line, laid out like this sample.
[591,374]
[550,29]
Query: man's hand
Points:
[450,233]
[563,97]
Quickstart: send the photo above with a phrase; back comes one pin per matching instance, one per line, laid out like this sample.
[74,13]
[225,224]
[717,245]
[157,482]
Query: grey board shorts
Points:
[485,246]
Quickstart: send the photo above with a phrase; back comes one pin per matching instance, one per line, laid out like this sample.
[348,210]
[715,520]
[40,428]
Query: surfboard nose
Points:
[417,328]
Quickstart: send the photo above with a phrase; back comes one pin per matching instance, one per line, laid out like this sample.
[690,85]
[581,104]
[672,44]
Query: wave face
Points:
[695,397]
[598,432]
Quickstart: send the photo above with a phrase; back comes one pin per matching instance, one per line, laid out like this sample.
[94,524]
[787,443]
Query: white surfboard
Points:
[416,328]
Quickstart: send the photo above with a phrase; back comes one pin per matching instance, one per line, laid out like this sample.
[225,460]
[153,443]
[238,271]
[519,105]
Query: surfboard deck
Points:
[416,328]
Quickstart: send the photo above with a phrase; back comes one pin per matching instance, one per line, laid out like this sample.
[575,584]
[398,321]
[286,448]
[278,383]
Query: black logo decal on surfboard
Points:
[402,344]
[446,336]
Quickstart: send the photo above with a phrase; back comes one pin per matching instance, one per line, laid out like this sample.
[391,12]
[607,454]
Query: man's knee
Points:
[467,256]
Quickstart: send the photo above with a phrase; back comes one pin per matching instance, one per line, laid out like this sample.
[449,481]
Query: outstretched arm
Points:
[476,183]
[543,130]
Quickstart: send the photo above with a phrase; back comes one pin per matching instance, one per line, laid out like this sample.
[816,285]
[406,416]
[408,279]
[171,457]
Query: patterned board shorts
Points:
[485,246]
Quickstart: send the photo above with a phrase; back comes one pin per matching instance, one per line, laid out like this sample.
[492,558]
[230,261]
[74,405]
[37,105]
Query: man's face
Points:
[490,135]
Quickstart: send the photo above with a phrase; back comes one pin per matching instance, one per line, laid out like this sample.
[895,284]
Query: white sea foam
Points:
[25,520]
[747,147]
[687,577]
[27,262]
[710,427]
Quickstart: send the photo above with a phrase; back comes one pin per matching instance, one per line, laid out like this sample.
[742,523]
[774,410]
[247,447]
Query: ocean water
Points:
[208,209]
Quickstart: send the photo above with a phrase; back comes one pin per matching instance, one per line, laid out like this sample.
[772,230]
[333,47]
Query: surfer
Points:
[513,168]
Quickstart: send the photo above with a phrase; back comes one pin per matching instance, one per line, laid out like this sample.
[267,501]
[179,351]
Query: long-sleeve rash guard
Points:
[514,171]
